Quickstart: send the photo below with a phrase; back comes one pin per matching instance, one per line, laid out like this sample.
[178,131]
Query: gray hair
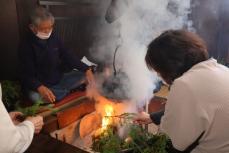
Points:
[40,14]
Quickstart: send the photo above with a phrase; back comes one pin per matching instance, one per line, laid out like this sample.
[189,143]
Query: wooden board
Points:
[70,115]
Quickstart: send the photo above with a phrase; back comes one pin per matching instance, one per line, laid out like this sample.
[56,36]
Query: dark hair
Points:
[175,52]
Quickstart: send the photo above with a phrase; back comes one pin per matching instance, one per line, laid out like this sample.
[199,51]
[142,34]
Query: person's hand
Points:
[46,93]
[92,91]
[142,118]
[37,122]
[14,115]
[90,76]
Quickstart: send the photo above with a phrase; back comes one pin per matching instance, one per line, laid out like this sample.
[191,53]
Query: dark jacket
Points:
[42,61]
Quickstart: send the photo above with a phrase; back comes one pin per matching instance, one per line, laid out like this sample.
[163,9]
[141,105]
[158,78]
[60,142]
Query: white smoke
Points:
[141,22]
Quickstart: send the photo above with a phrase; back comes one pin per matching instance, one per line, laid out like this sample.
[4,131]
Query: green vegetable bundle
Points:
[138,141]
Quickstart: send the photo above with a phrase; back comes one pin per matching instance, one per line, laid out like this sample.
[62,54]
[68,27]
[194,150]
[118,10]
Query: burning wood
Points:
[108,113]
[89,123]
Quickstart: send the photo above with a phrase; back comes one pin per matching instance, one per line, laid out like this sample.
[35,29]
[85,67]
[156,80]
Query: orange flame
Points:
[106,121]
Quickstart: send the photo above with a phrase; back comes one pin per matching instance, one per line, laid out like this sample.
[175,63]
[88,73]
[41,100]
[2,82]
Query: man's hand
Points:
[90,76]
[142,118]
[37,122]
[14,115]
[46,93]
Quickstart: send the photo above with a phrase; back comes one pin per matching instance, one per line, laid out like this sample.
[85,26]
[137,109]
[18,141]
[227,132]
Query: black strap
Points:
[171,149]
[194,144]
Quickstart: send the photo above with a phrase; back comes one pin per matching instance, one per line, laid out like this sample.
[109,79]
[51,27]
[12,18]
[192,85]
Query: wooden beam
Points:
[62,107]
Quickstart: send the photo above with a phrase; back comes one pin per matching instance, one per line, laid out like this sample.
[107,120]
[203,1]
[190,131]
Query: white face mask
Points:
[43,35]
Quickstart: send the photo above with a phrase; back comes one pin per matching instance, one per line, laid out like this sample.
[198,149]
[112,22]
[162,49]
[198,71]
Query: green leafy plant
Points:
[34,109]
[124,119]
[138,140]
[31,110]
[147,142]
[11,93]
[11,97]
[108,142]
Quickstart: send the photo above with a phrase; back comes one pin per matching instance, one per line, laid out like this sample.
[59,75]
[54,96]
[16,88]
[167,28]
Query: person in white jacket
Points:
[15,136]
[196,115]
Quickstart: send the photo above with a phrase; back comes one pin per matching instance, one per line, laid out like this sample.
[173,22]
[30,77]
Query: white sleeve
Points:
[184,119]
[14,139]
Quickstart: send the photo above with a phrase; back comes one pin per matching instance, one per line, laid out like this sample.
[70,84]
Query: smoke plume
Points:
[140,22]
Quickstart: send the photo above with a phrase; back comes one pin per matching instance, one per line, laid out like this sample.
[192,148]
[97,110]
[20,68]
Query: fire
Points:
[106,121]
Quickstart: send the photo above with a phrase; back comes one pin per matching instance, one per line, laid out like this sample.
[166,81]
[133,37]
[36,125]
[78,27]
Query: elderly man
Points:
[43,57]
